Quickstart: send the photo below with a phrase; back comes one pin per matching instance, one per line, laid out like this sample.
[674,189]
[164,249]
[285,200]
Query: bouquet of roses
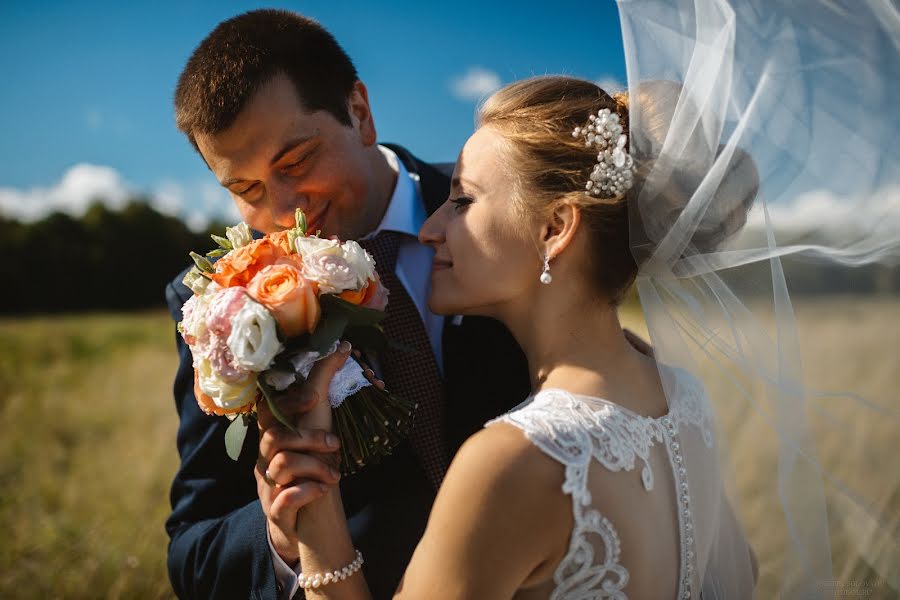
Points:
[262,313]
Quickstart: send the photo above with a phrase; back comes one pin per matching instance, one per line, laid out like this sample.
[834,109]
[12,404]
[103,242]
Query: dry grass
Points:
[87,456]
[88,449]
[846,344]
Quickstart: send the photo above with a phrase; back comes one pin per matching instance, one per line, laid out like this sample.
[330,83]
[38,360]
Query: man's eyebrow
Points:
[292,144]
[230,181]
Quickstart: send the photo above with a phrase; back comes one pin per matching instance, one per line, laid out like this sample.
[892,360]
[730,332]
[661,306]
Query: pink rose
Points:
[223,307]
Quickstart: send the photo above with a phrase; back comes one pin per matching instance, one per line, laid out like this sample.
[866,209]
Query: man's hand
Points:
[293,470]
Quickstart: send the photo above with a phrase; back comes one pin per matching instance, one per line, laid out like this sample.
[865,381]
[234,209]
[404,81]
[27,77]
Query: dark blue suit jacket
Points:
[217,530]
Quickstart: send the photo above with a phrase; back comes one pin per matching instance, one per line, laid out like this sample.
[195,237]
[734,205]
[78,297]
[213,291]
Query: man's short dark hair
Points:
[244,53]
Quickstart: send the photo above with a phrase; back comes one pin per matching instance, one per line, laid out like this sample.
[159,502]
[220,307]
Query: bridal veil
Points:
[772,110]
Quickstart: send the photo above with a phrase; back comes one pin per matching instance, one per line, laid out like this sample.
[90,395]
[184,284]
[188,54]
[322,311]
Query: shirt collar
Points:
[405,212]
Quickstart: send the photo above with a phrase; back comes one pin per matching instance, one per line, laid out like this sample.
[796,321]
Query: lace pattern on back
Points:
[575,429]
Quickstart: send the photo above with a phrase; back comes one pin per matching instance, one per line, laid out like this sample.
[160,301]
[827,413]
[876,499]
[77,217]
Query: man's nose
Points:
[284,200]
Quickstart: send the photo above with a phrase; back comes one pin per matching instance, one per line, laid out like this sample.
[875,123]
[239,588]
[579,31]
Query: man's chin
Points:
[443,306]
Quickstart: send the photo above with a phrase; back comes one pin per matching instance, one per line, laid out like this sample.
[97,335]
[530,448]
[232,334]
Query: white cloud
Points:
[197,220]
[84,184]
[825,215]
[168,198]
[858,230]
[610,85]
[79,187]
[475,84]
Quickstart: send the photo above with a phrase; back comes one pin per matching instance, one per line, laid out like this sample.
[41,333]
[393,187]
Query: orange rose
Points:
[291,299]
[296,261]
[361,296]
[209,406]
[280,239]
[239,266]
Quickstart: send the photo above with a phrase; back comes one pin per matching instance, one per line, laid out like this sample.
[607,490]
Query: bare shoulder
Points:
[500,520]
[511,491]
[506,461]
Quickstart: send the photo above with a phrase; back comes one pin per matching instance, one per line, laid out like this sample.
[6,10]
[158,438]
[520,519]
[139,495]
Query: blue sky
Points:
[86,102]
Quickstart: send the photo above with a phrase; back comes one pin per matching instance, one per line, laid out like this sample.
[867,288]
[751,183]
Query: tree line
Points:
[105,260]
[123,259]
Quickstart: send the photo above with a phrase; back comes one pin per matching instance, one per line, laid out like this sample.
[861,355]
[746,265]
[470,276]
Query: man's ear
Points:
[361,113]
[559,228]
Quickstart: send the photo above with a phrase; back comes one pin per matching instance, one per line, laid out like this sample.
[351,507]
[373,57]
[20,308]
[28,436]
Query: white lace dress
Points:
[575,430]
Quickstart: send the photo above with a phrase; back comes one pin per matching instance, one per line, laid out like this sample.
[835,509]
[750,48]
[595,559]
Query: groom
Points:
[276,110]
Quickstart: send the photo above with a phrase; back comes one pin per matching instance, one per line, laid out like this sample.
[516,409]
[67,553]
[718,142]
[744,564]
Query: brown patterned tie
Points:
[412,374]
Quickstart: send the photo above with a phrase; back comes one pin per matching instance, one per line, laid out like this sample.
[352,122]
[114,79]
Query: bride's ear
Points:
[559,229]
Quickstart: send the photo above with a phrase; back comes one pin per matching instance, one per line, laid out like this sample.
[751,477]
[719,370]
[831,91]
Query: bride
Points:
[603,482]
[608,480]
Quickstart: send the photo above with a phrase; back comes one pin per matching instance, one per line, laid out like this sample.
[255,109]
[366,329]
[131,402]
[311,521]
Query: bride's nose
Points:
[433,229]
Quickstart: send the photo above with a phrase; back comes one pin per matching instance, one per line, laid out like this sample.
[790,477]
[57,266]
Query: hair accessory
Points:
[317,580]
[613,175]
[546,277]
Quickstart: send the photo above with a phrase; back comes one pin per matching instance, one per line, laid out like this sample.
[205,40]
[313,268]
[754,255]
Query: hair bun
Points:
[666,185]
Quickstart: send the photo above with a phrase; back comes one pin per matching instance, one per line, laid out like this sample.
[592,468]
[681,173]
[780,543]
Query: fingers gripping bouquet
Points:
[264,311]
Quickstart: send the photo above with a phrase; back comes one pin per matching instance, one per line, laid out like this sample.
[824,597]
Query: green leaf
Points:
[273,406]
[223,242]
[368,337]
[356,315]
[217,253]
[234,437]
[330,329]
[202,262]
[300,217]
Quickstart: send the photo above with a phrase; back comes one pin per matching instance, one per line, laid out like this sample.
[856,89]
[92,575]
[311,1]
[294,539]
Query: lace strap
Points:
[546,420]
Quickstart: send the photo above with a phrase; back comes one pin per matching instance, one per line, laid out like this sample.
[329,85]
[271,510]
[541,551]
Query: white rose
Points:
[360,261]
[331,272]
[253,340]
[309,246]
[239,235]
[197,282]
[225,394]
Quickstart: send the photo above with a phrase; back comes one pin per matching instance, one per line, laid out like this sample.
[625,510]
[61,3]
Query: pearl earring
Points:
[546,278]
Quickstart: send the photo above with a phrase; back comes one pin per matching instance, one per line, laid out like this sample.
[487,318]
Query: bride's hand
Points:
[306,406]
[292,471]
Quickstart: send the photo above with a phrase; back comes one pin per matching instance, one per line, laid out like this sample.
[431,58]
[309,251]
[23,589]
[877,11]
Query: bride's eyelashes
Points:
[460,203]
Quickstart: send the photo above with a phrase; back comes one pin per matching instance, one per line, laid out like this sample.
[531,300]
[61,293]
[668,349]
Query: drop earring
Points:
[546,278]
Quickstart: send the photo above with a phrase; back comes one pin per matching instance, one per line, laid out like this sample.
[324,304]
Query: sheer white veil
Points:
[741,114]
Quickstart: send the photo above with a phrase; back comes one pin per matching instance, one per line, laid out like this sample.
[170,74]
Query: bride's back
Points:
[646,523]
[633,511]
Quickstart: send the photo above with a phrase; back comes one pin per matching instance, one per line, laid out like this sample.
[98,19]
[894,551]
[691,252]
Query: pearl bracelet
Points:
[308,582]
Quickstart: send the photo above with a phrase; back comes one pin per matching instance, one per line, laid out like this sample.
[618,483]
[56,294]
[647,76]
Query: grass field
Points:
[87,450]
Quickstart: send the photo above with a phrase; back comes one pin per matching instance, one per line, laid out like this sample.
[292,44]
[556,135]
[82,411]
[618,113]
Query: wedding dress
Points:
[587,434]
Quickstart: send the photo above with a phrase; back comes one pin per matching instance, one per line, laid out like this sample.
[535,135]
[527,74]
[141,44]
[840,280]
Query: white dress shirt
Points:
[405,213]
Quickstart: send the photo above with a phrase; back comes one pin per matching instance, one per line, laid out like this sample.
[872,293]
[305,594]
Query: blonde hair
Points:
[536,118]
